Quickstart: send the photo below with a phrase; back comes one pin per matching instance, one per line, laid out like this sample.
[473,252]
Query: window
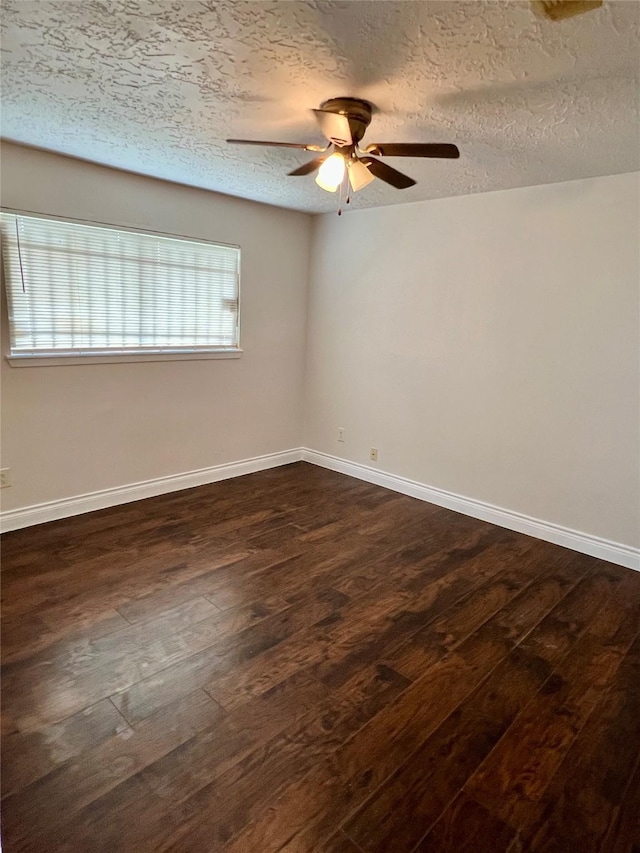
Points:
[82,290]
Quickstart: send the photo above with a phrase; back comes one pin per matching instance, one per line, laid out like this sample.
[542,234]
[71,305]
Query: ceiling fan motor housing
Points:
[358,112]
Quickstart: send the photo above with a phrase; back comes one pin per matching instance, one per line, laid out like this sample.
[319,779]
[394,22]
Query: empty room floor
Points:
[296,660]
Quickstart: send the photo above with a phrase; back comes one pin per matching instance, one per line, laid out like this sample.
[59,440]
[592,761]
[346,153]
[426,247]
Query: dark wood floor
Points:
[299,661]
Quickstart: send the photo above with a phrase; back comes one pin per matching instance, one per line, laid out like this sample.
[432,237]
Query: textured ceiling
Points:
[155,87]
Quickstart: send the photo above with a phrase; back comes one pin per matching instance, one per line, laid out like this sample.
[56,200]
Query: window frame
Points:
[128,355]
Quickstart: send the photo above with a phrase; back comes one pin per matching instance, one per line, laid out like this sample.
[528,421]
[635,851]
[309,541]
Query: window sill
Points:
[118,358]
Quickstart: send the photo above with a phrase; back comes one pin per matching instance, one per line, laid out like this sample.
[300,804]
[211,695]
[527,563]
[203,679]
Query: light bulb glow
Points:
[331,173]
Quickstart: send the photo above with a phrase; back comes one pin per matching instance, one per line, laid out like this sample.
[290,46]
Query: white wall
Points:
[487,345]
[76,429]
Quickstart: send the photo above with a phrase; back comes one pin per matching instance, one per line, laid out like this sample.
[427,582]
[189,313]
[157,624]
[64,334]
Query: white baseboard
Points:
[613,552]
[15,519]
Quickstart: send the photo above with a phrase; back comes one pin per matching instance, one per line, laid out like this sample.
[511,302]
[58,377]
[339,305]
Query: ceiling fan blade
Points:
[387,173]
[411,149]
[556,10]
[334,126]
[277,144]
[309,167]
[359,175]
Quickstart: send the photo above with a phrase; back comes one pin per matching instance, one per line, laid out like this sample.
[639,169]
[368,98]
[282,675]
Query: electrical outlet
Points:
[340,433]
[373,454]
[5,477]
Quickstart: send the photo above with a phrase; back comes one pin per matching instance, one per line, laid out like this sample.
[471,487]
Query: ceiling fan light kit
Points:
[343,122]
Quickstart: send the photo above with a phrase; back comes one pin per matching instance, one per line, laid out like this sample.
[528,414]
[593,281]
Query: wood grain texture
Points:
[583,799]
[298,661]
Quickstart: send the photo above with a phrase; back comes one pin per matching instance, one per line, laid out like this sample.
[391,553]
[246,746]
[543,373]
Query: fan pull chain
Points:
[344,185]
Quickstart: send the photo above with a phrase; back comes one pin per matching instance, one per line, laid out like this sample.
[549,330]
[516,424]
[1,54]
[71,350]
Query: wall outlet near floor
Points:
[340,433]
[373,454]
[5,478]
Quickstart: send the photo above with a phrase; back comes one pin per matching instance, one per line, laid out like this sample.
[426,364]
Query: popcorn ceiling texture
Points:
[155,87]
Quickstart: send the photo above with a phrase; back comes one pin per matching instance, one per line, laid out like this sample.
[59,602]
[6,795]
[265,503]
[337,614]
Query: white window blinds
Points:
[81,289]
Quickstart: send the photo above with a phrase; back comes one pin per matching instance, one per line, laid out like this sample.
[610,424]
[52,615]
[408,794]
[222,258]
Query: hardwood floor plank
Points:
[467,827]
[519,769]
[356,770]
[217,812]
[395,610]
[425,784]
[37,809]
[341,843]
[121,821]
[453,608]
[28,756]
[94,670]
[534,595]
[141,809]
[24,635]
[624,833]
[309,810]
[210,784]
[175,618]
[89,585]
[210,579]
[185,771]
[67,677]
[242,635]
[581,802]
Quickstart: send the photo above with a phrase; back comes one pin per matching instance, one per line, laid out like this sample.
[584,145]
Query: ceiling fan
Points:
[343,122]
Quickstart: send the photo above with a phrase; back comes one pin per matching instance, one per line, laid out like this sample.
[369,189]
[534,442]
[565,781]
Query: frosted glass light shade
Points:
[359,175]
[331,173]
